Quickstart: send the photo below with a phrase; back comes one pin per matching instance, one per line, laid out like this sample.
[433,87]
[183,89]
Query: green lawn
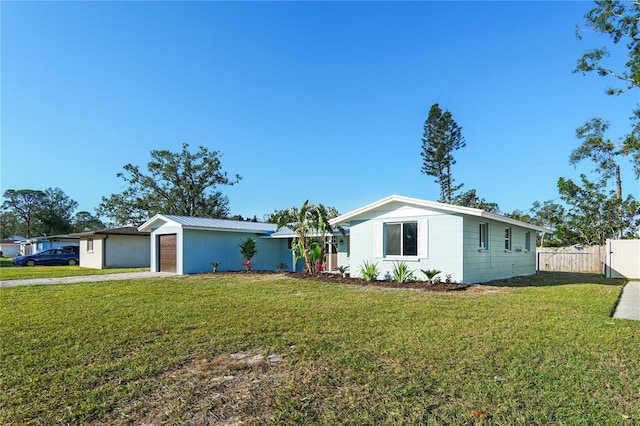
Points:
[266,349]
[10,272]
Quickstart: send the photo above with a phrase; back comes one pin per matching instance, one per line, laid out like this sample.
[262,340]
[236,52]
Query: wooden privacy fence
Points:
[571,259]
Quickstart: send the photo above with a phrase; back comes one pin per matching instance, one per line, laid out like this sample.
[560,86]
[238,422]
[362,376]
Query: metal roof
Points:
[210,224]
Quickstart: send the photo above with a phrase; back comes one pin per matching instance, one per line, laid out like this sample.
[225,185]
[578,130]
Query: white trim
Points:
[378,242]
[423,239]
[447,208]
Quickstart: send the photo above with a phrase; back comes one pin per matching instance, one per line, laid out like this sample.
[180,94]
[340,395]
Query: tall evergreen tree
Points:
[442,136]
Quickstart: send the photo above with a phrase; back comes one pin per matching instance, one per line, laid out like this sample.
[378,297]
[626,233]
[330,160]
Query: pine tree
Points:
[442,136]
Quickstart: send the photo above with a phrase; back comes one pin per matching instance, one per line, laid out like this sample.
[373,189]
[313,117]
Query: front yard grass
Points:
[10,272]
[266,349]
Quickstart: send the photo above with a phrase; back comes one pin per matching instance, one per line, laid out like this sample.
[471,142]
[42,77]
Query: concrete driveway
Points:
[86,278]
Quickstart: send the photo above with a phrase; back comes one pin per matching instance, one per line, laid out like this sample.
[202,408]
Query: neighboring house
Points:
[9,248]
[114,248]
[471,245]
[188,245]
[35,245]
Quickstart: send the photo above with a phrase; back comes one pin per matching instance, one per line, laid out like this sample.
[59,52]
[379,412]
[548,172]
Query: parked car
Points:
[48,257]
[71,249]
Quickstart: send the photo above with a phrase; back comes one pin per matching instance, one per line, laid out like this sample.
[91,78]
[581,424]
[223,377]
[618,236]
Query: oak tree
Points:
[179,183]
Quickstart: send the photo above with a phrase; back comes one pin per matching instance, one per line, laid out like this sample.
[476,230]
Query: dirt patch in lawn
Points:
[227,390]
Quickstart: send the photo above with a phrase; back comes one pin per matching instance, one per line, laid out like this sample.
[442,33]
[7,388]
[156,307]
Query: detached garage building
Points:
[188,245]
[114,248]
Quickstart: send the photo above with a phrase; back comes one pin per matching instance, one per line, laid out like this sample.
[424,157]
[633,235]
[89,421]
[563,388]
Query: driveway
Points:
[86,278]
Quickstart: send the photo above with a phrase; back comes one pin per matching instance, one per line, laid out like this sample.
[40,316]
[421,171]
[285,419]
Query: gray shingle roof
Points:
[126,230]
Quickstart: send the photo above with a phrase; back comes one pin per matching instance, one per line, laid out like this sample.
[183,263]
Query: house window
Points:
[507,238]
[90,244]
[484,236]
[401,239]
[527,241]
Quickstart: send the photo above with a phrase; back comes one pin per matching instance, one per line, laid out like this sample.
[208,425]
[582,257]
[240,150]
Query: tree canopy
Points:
[620,21]
[34,212]
[23,203]
[471,199]
[181,183]
[594,212]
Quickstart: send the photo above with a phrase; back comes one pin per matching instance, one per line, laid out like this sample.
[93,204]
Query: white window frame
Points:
[90,245]
[508,238]
[527,241]
[401,235]
[483,231]
[380,240]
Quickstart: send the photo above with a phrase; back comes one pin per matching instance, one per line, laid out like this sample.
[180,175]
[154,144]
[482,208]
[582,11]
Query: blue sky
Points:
[323,101]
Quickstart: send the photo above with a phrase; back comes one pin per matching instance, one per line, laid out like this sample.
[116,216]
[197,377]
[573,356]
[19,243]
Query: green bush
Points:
[402,273]
[369,271]
[430,274]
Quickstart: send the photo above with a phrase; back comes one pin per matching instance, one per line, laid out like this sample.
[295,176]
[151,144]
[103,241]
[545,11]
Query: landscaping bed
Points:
[337,278]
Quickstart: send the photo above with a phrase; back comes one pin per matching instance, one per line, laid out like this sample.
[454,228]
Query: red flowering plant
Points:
[247,265]
[248,249]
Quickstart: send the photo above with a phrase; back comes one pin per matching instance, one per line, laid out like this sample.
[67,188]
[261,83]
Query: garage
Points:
[189,245]
[167,253]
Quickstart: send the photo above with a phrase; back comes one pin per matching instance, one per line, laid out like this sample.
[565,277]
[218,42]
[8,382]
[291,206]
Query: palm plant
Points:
[430,274]
[248,249]
[343,270]
[310,219]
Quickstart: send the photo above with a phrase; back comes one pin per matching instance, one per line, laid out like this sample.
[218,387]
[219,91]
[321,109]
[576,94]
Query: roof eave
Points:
[344,220]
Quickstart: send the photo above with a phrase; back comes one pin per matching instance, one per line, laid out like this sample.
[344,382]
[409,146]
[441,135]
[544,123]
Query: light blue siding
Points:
[203,247]
[496,263]
[444,239]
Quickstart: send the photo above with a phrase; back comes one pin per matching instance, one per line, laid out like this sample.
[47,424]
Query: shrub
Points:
[402,273]
[369,271]
[430,274]
[343,270]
